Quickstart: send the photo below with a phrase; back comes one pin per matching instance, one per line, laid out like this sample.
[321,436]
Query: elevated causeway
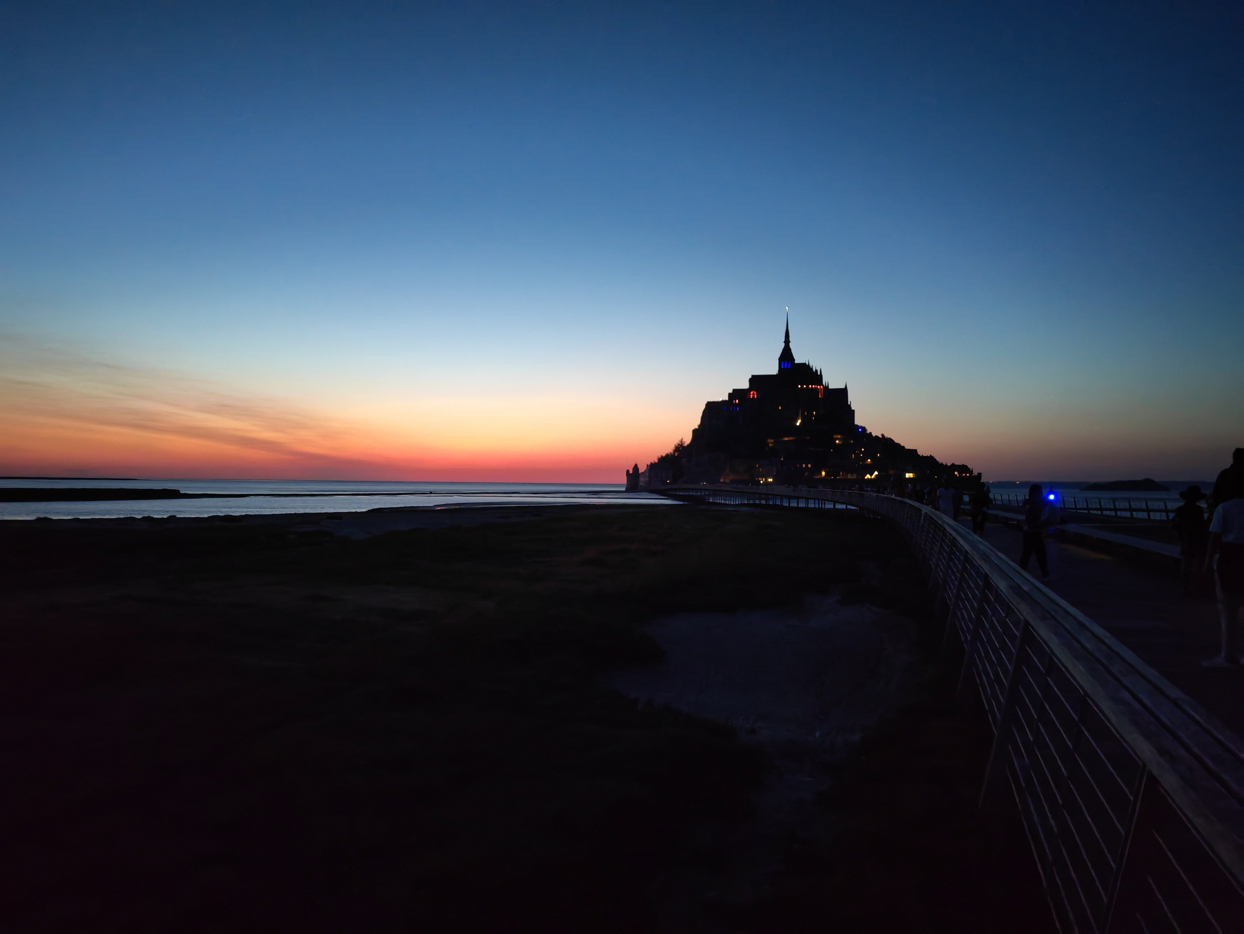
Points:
[1131,793]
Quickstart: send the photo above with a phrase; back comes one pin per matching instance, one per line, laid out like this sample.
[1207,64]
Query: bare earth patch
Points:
[802,684]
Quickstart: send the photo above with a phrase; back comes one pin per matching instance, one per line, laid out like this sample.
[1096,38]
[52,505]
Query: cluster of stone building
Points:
[786,427]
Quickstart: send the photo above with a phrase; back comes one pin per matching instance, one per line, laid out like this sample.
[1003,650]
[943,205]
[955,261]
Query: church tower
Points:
[786,359]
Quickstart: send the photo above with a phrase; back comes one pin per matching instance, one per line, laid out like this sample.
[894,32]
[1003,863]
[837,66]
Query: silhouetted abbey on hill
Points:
[777,411]
[788,427]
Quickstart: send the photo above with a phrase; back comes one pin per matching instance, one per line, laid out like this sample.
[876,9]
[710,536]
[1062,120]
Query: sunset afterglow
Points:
[462,243]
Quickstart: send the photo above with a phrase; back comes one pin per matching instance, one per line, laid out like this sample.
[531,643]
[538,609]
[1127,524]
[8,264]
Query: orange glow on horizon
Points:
[86,450]
[64,414]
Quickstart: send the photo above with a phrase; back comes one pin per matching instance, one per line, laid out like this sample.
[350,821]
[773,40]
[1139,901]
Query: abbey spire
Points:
[786,359]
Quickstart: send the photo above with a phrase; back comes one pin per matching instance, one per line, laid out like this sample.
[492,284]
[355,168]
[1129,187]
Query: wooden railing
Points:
[1152,510]
[1131,794]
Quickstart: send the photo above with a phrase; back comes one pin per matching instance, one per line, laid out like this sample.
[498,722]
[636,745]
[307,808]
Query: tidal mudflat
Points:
[267,725]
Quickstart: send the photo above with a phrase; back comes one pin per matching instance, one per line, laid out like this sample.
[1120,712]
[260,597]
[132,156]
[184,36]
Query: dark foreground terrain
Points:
[241,726]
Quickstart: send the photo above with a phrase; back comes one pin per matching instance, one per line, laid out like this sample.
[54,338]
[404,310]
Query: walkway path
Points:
[1139,603]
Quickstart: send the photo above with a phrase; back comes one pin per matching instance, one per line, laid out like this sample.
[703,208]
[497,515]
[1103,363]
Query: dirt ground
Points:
[322,725]
[801,684]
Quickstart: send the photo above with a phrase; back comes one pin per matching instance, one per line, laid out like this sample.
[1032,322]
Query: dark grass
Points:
[215,726]
[907,849]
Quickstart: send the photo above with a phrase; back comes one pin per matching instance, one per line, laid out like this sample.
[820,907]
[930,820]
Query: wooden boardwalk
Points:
[1131,791]
[1138,602]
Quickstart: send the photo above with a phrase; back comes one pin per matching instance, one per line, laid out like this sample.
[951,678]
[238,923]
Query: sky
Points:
[509,241]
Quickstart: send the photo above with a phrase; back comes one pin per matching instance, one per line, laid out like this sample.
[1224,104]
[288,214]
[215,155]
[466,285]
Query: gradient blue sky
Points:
[528,241]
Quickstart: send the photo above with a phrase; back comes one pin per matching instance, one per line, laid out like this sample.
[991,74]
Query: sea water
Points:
[272,497]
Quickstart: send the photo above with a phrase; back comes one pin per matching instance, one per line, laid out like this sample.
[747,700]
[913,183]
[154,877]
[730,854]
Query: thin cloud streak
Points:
[66,411]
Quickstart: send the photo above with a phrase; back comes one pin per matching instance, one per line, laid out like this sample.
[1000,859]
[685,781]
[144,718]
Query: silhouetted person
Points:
[1032,527]
[1189,522]
[980,509]
[1226,539]
[946,496]
[1230,482]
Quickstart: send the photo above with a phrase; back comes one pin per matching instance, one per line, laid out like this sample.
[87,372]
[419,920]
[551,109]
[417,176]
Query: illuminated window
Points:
[752,394]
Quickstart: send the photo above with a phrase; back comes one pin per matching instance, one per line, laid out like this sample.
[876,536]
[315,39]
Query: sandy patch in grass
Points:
[803,684]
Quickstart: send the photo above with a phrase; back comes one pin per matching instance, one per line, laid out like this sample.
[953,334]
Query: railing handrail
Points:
[1195,759]
[1100,640]
[1105,505]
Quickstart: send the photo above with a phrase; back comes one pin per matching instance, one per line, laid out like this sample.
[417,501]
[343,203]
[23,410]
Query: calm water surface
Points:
[269,497]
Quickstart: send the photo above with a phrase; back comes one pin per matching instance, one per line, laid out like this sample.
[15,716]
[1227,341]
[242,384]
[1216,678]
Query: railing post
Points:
[954,600]
[974,637]
[1006,720]
[1127,864]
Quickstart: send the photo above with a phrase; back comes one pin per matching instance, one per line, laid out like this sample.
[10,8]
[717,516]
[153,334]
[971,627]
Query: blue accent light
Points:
[1051,496]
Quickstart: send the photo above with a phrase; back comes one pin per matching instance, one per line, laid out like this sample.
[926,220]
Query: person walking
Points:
[980,509]
[946,497]
[1230,482]
[1032,527]
[1193,530]
[1226,541]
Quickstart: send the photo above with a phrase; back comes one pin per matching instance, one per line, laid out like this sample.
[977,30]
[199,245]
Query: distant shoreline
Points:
[350,525]
[110,494]
[35,494]
[367,521]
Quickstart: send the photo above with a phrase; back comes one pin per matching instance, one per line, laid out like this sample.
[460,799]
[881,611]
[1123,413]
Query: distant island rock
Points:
[787,427]
[1128,486]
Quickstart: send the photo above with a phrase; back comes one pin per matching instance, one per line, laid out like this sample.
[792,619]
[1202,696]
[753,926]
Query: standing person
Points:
[980,509]
[1189,522]
[1032,527]
[1230,482]
[1226,539]
[946,496]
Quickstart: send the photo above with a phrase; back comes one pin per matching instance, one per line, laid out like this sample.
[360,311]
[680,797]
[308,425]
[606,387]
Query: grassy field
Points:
[227,726]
